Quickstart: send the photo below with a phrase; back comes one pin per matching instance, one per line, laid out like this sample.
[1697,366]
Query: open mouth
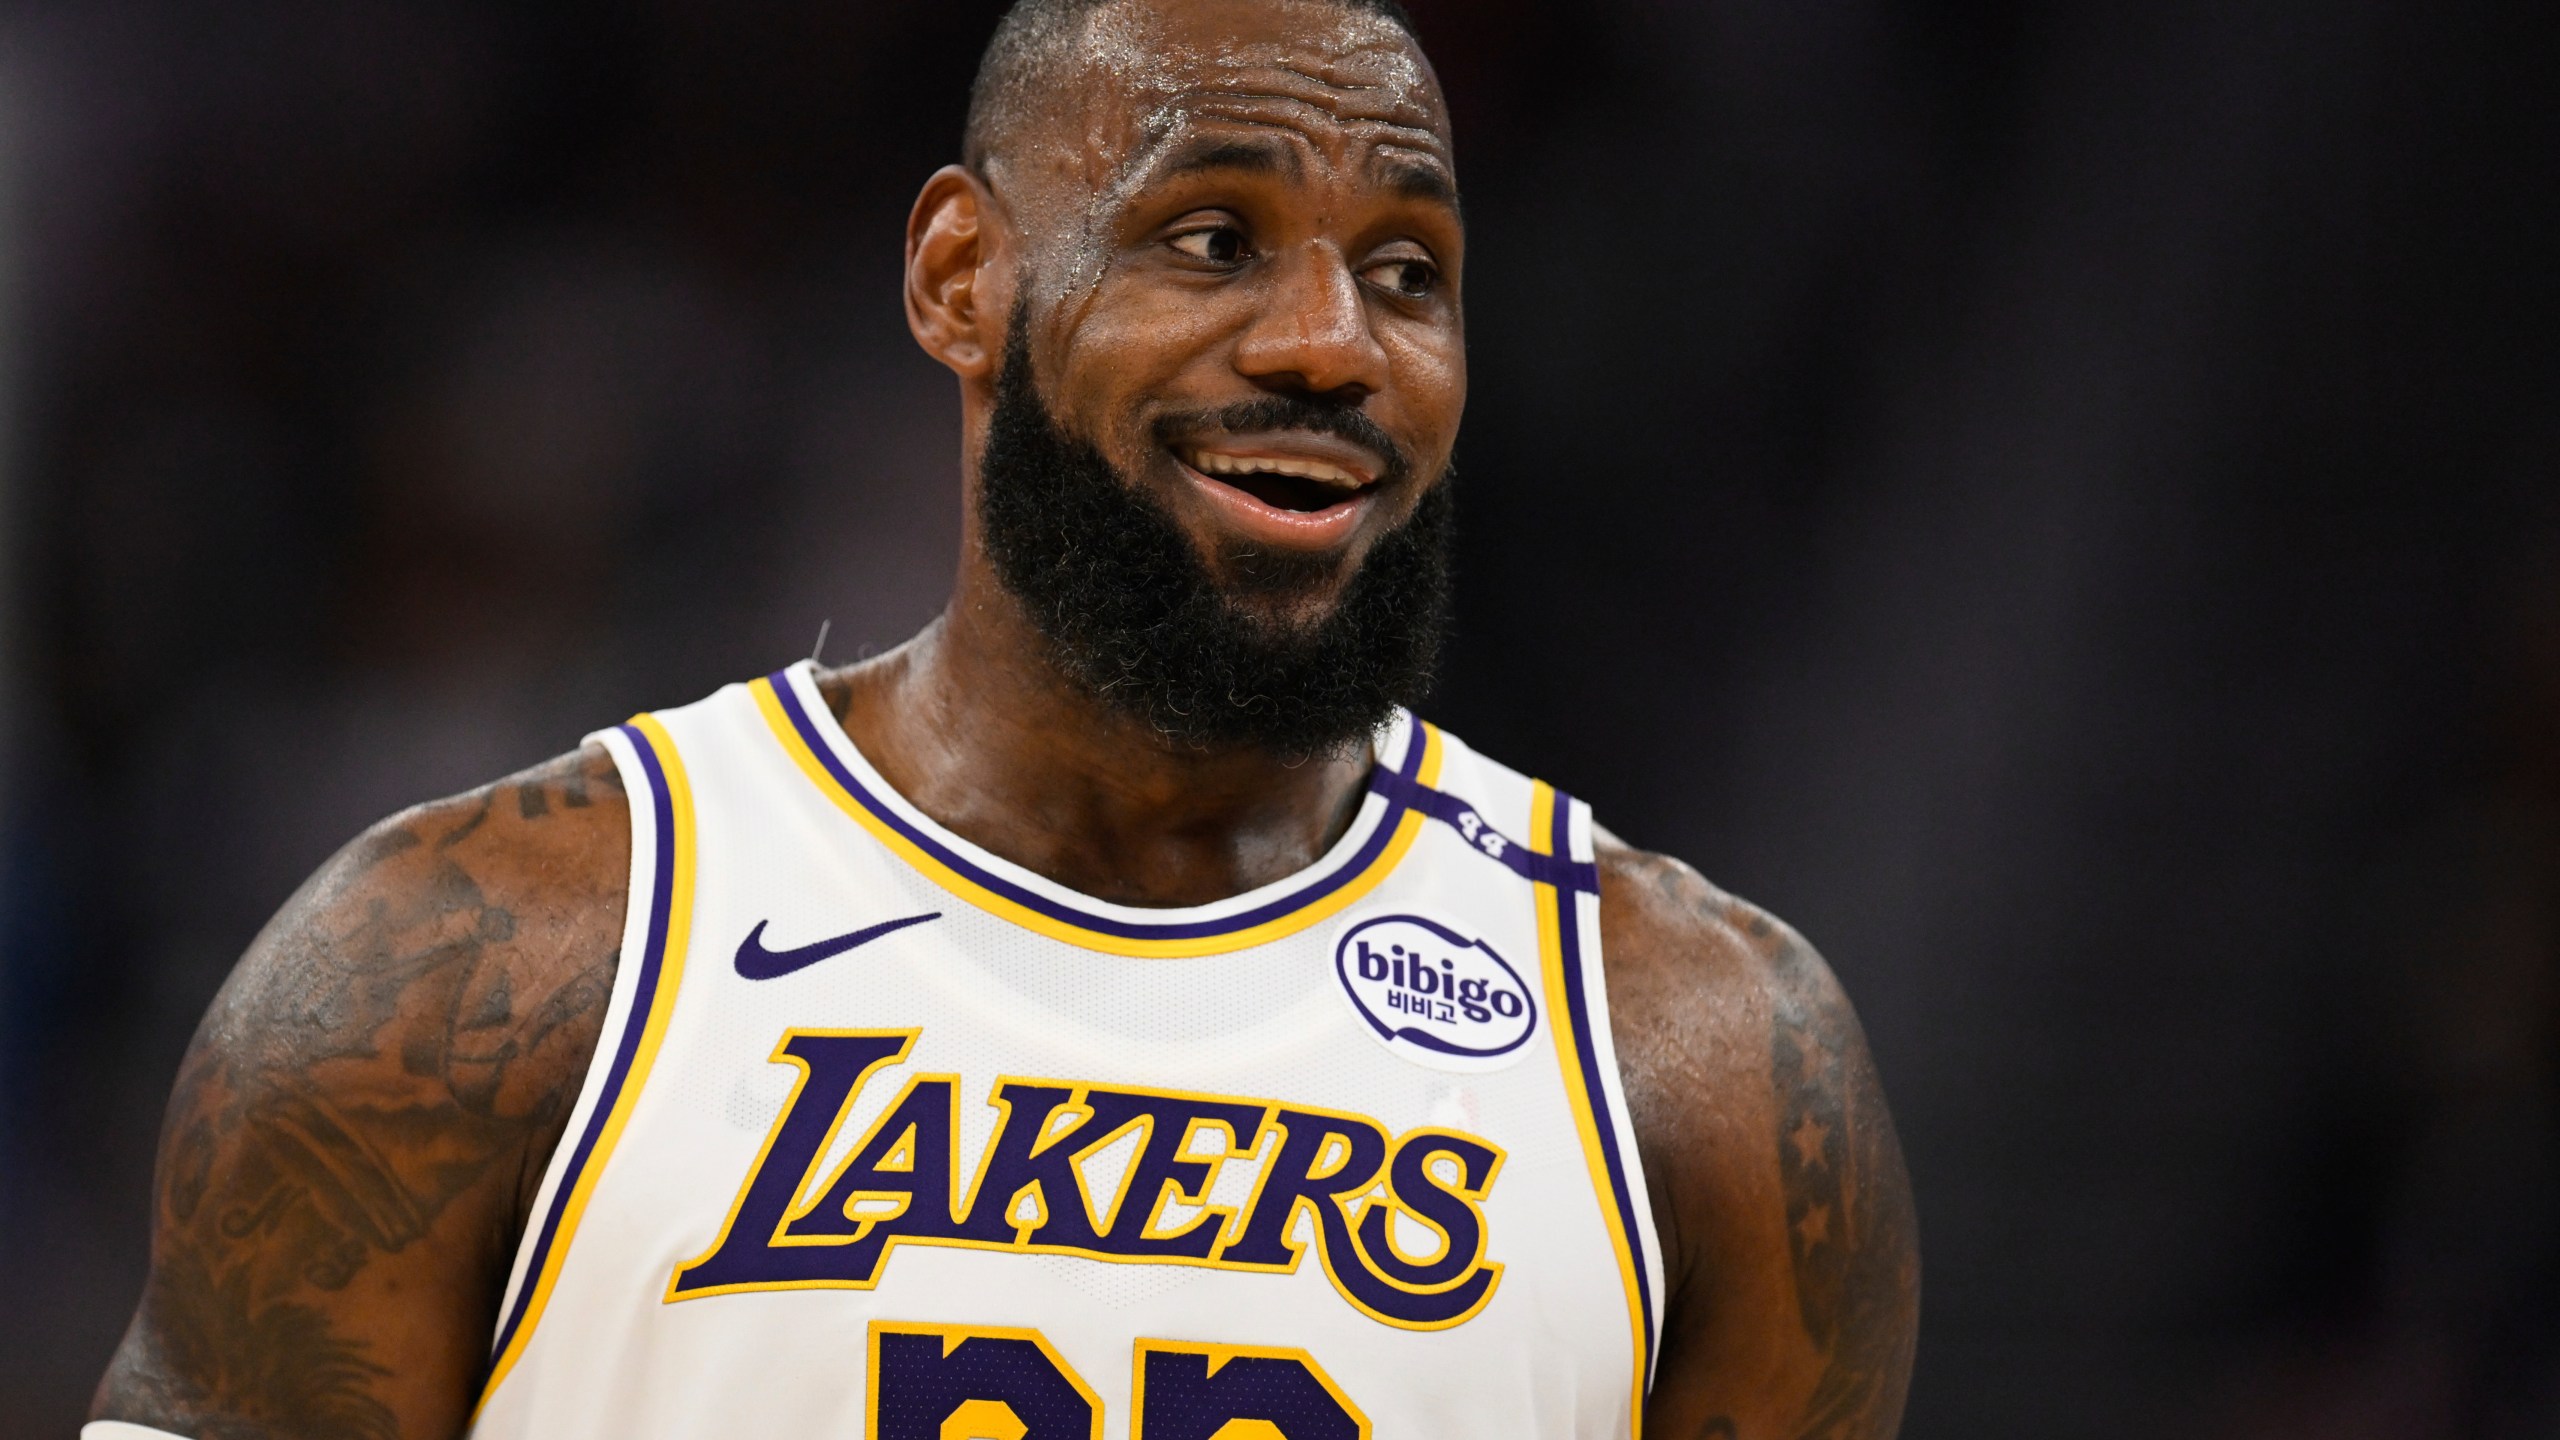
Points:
[1295,483]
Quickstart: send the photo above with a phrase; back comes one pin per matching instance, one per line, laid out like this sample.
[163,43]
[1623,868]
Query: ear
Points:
[952,246]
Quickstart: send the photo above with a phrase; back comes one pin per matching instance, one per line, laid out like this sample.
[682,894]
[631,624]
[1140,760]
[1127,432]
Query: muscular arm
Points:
[1791,1252]
[362,1120]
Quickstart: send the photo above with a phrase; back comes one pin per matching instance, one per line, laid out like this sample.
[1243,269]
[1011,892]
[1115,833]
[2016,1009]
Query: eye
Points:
[1409,276]
[1216,244]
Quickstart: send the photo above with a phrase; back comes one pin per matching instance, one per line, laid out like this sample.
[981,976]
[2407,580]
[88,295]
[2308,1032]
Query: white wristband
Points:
[120,1430]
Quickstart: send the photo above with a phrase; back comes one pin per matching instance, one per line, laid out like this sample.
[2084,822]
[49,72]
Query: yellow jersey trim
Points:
[1552,918]
[1407,823]
[649,737]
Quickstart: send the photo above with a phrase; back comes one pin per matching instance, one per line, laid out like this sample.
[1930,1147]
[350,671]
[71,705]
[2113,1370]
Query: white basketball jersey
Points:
[889,1138]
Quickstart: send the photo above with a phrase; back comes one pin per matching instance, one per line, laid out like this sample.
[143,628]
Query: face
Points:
[1239,257]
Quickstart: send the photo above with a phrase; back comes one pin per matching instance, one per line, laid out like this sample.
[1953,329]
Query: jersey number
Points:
[976,1382]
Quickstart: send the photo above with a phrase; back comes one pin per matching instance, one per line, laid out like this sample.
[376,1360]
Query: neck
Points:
[972,724]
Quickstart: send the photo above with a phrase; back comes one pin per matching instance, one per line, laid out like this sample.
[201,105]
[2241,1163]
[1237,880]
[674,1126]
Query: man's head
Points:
[1206,253]
[1040,45]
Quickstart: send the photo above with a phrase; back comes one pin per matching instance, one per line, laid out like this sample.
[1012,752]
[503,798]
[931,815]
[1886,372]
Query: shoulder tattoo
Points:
[1850,1226]
[383,1069]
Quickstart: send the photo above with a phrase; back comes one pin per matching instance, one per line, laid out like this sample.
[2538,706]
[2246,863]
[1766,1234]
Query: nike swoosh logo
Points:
[757,963]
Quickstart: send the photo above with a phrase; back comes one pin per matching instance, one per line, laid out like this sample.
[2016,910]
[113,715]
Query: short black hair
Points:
[1025,48]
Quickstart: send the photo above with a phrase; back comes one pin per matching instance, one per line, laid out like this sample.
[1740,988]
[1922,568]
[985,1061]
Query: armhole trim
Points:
[645,985]
[1577,1007]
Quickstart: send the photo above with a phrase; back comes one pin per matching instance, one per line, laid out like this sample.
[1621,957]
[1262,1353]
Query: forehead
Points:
[1158,78]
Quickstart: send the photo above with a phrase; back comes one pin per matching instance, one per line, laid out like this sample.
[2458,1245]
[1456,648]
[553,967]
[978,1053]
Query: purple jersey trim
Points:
[643,1001]
[1560,870]
[1350,869]
[1569,948]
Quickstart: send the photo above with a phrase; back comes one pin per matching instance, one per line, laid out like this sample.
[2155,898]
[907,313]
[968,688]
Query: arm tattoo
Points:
[1850,1225]
[276,1368]
[383,1053]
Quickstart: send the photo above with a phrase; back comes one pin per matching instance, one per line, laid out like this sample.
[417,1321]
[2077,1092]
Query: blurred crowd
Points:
[2061,502]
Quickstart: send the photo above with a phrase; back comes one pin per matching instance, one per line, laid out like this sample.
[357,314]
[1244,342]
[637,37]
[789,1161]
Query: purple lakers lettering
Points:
[800,1223]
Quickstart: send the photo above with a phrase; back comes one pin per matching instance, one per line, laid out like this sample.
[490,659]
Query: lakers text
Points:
[1034,1192]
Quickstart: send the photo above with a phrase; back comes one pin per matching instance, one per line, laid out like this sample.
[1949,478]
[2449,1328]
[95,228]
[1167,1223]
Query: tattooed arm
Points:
[362,1120]
[1792,1258]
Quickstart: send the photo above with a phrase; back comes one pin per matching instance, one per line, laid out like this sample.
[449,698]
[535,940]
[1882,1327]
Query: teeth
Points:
[1211,462]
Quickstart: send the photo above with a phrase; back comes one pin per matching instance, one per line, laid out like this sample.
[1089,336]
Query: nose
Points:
[1312,335]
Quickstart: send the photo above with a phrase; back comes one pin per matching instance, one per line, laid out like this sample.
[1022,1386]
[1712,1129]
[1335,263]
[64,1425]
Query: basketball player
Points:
[1111,1013]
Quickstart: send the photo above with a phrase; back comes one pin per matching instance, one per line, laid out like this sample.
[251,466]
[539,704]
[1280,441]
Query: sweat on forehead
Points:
[1037,43]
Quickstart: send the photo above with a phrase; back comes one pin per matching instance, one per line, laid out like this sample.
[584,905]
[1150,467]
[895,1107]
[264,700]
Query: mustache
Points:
[1289,412]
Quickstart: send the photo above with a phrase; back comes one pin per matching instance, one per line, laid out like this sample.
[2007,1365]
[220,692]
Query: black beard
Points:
[1134,615]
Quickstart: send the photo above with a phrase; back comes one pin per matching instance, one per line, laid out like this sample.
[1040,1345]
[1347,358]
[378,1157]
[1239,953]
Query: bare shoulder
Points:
[1688,958]
[1699,979]
[458,936]
[358,1128]
[1792,1256]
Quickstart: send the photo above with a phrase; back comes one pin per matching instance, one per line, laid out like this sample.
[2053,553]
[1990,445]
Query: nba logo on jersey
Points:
[1434,995]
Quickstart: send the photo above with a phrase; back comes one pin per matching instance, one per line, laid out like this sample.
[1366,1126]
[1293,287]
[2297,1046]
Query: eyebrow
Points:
[1409,179]
[1252,157]
[1420,182]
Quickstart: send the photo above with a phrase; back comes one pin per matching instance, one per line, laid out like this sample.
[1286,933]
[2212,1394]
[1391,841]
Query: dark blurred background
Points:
[2058,500]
